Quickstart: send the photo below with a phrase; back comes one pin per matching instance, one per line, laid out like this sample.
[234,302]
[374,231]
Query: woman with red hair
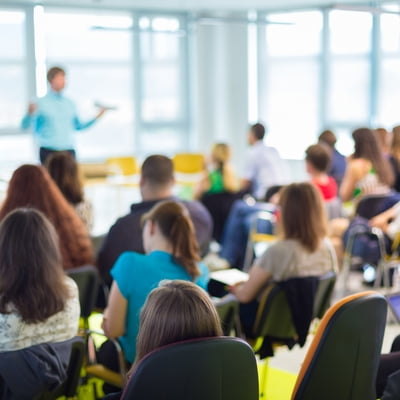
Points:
[31,186]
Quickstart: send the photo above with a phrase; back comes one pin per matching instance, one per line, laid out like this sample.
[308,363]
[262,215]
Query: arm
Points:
[349,182]
[28,118]
[115,314]
[83,125]
[382,220]
[248,291]
[230,179]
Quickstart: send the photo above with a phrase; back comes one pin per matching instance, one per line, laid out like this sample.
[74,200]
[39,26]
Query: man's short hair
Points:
[158,170]
[53,71]
[258,131]
[318,156]
[327,137]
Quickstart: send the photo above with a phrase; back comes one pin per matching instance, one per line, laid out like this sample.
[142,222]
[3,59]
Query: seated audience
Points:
[302,248]
[173,312]
[367,173]
[388,376]
[317,164]
[338,161]
[220,177]
[63,168]
[156,184]
[38,302]
[263,165]
[171,253]
[32,186]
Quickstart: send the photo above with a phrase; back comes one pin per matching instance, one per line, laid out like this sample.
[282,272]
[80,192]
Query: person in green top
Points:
[220,177]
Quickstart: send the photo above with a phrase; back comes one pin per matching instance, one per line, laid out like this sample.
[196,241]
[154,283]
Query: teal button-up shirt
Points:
[55,121]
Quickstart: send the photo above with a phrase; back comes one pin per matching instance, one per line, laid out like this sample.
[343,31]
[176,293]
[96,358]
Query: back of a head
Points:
[366,146]
[175,311]
[175,224]
[158,170]
[318,156]
[303,216]
[221,153]
[258,131]
[63,169]
[30,264]
[327,137]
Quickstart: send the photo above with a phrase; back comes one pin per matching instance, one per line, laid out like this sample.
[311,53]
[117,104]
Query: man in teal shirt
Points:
[54,118]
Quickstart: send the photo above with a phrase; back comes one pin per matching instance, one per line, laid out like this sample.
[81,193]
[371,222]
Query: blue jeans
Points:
[236,231]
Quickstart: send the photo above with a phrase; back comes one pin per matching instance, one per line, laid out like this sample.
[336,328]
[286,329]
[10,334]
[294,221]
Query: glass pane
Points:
[389,100]
[298,34]
[162,141]
[159,46]
[390,33]
[12,26]
[350,32]
[16,150]
[112,134]
[349,91]
[13,95]
[293,106]
[99,36]
[160,93]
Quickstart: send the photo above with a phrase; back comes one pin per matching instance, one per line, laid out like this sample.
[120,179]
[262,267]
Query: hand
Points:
[32,108]
[380,221]
[102,110]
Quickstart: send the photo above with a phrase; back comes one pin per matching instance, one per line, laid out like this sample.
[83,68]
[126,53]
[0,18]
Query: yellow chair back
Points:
[122,165]
[188,163]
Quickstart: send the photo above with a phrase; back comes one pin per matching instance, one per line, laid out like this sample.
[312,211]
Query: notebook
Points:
[229,276]
[394,304]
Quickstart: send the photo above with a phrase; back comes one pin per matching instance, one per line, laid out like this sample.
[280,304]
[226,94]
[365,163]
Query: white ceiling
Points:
[196,5]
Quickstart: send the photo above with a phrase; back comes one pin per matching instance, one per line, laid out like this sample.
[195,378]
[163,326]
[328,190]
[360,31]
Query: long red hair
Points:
[32,186]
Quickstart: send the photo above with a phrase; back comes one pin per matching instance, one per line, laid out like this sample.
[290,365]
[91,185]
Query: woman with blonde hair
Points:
[171,253]
[301,250]
[221,176]
[32,186]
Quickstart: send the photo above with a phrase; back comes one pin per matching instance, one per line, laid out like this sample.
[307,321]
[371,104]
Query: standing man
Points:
[54,118]
[264,167]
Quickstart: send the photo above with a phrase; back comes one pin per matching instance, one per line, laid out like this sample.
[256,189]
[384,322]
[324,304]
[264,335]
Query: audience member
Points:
[38,303]
[220,177]
[156,184]
[63,168]
[32,186]
[263,165]
[171,253]
[367,171]
[338,161]
[317,164]
[173,312]
[302,249]
[394,157]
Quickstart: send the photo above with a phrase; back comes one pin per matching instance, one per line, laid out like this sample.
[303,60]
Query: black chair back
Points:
[220,368]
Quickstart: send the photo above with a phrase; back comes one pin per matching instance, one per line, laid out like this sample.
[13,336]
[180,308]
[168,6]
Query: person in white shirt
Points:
[263,165]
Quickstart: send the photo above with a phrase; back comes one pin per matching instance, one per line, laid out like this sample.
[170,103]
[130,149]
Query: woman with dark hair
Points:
[31,186]
[301,250]
[394,157]
[63,169]
[171,253]
[367,171]
[38,303]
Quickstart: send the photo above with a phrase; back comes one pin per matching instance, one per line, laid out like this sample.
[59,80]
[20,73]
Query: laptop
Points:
[394,304]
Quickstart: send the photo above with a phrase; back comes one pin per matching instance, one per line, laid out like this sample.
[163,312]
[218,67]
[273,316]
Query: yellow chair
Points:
[188,163]
[125,166]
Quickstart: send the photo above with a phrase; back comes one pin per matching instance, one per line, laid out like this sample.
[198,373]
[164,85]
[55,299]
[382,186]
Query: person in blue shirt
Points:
[54,118]
[171,253]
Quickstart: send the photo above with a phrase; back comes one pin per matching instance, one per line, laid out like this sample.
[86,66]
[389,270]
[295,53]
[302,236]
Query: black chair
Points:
[219,206]
[42,372]
[220,368]
[228,311]
[322,298]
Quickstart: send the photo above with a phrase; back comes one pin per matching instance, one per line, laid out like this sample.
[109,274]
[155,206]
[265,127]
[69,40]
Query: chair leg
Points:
[263,378]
